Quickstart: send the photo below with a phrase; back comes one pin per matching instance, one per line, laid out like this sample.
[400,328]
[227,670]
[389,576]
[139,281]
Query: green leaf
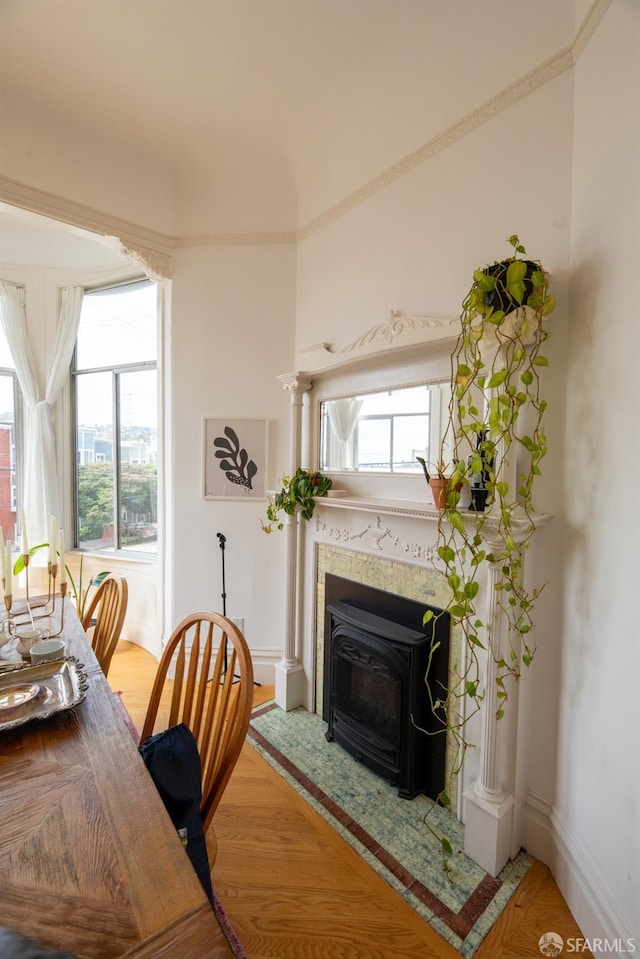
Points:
[446,846]
[516,272]
[443,799]
[499,713]
[428,616]
[540,360]
[18,566]
[484,281]
[549,304]
[446,554]
[471,589]
[497,379]
[456,520]
[471,688]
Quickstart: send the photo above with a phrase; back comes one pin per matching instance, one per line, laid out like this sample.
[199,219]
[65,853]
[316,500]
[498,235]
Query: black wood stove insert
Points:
[376,701]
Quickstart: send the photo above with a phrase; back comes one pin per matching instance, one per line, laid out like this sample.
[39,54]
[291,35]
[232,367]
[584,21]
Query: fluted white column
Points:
[488,807]
[489,801]
[489,784]
[289,672]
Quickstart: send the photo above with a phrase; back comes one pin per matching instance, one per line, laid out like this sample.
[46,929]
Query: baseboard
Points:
[264,662]
[549,839]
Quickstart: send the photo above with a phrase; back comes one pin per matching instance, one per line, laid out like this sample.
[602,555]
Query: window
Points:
[11,441]
[116,420]
[10,444]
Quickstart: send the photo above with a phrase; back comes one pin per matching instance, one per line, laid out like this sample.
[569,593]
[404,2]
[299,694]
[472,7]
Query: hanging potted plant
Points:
[495,430]
[297,495]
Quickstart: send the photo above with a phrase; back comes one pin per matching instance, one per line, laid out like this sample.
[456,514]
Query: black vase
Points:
[498,298]
[478,482]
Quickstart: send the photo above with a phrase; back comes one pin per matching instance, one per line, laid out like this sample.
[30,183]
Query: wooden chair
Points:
[108,607]
[205,680]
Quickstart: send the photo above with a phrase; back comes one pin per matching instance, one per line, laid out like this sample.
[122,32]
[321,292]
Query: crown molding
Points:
[236,239]
[522,87]
[148,247]
[536,78]
[588,27]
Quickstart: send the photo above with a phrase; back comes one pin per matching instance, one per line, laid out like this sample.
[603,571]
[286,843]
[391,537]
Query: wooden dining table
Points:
[90,862]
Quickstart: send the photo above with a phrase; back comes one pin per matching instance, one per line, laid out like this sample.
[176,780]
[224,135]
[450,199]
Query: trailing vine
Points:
[495,430]
[297,494]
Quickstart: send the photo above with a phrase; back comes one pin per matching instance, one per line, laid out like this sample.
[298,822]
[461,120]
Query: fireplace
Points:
[376,703]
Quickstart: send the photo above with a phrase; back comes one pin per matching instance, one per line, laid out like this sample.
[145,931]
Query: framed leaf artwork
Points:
[235,458]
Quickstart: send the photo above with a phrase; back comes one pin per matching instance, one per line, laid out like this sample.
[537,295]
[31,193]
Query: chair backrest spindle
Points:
[207,664]
[108,607]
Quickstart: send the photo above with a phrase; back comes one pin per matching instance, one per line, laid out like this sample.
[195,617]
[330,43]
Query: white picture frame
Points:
[235,451]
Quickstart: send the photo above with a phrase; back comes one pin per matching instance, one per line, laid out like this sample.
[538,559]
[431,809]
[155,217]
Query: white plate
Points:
[18,695]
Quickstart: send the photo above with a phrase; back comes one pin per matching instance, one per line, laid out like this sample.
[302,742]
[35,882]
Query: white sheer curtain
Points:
[343,416]
[41,496]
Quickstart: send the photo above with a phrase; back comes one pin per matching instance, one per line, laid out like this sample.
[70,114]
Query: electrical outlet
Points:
[239,622]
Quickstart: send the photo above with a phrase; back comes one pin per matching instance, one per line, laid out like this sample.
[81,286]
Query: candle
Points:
[23,528]
[63,568]
[53,556]
[8,572]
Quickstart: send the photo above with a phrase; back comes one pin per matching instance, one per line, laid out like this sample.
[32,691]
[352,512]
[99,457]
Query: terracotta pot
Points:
[440,489]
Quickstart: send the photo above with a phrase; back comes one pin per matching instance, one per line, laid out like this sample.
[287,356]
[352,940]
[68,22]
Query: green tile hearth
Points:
[390,833]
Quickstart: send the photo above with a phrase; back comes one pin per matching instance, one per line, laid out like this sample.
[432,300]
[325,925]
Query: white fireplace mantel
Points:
[409,529]
[492,825]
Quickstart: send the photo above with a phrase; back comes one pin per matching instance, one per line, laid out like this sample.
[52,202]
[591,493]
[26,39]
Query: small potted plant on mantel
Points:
[445,485]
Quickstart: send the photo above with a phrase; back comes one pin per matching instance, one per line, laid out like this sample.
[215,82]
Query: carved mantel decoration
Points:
[398,330]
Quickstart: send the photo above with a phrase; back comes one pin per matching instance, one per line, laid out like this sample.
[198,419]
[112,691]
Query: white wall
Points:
[597,805]
[233,316]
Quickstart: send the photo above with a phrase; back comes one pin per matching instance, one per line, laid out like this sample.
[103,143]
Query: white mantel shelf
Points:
[427,511]
[373,504]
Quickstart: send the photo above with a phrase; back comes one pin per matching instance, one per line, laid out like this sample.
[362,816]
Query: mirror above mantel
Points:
[383,431]
[402,399]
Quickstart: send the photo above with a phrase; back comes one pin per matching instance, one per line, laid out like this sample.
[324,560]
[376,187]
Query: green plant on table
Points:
[79,592]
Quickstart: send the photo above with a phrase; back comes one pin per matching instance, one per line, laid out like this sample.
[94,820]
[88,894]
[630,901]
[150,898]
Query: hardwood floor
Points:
[294,889]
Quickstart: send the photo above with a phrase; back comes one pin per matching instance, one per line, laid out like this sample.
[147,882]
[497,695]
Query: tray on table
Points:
[40,691]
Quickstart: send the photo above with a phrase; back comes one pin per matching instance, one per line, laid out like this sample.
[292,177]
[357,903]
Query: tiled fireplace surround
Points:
[398,578]
[393,547]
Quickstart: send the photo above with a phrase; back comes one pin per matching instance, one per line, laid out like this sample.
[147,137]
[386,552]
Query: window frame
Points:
[116,372]
[17,448]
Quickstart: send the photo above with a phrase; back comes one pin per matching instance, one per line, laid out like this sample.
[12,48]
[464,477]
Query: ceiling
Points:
[335,90]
